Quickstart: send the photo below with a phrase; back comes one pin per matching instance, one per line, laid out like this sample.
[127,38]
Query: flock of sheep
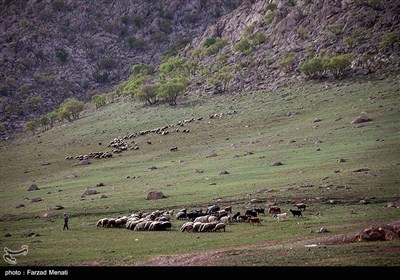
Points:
[214,219]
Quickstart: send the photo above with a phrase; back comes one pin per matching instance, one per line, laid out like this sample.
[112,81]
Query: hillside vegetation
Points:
[305,126]
[54,50]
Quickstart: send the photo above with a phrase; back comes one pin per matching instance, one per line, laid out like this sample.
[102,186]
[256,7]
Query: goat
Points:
[300,206]
[296,213]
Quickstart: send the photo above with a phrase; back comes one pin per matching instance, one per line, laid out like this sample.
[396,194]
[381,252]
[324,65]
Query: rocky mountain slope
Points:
[55,49]
[267,40]
[52,50]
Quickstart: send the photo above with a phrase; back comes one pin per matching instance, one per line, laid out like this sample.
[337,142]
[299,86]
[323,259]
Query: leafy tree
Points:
[221,79]
[70,109]
[44,121]
[312,68]
[171,89]
[338,65]
[52,117]
[32,126]
[99,100]
[148,93]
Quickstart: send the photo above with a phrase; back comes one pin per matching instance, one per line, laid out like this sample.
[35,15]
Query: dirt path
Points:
[211,257]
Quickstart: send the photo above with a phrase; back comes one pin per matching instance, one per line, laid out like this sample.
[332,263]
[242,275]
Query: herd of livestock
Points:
[215,218]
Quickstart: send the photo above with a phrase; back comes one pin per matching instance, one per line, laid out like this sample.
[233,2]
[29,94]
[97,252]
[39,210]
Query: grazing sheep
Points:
[225,219]
[228,209]
[207,227]
[274,210]
[280,216]
[255,221]
[296,213]
[235,216]
[219,226]
[260,210]
[196,226]
[250,212]
[212,219]
[181,215]
[187,226]
[301,206]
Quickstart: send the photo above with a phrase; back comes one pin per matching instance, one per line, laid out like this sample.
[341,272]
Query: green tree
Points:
[32,126]
[70,109]
[148,93]
[171,89]
[44,121]
[52,117]
[221,79]
[338,65]
[312,68]
[99,100]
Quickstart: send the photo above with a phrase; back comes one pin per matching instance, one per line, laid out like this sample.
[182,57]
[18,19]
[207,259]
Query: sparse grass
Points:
[260,126]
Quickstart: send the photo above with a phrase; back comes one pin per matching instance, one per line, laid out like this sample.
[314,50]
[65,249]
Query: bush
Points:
[209,42]
[53,115]
[388,40]
[99,100]
[287,61]
[244,46]
[338,65]
[58,5]
[270,7]
[170,90]
[148,93]
[31,126]
[62,55]
[100,77]
[312,68]
[70,109]
[221,79]
[107,63]
[269,17]
[142,68]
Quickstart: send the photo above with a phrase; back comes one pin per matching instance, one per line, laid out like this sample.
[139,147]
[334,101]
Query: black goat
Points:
[296,213]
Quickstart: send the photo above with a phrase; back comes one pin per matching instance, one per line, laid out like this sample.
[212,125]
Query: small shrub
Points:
[107,63]
[338,65]
[244,46]
[312,68]
[335,29]
[99,100]
[31,126]
[62,55]
[388,40]
[292,2]
[100,77]
[287,61]
[58,5]
[269,17]
[270,7]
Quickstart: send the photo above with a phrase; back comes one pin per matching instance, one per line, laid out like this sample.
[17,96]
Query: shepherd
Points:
[65,221]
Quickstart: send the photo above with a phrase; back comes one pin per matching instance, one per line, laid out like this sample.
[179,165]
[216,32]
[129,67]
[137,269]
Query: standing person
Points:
[65,221]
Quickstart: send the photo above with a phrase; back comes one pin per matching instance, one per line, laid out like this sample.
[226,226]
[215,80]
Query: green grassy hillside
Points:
[305,126]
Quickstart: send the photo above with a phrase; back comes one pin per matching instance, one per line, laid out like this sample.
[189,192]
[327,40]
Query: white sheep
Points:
[280,216]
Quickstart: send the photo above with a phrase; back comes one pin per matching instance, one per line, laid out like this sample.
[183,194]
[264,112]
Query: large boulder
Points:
[33,187]
[155,195]
[361,119]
